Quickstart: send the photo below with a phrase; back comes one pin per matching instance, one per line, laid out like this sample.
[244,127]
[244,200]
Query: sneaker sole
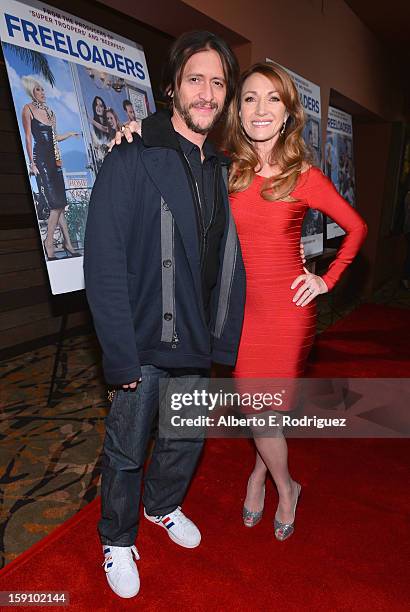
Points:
[171,535]
[119,594]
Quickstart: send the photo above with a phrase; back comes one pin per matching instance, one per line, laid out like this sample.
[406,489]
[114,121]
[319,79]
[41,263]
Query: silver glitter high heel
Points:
[283,531]
[250,518]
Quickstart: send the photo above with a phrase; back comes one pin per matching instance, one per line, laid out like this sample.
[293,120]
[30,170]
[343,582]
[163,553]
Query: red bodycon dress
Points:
[277,335]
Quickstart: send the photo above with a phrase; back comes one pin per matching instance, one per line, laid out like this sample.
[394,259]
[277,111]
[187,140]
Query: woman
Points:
[98,121]
[99,132]
[39,123]
[272,184]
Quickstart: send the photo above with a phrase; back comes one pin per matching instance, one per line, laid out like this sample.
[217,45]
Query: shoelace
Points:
[120,557]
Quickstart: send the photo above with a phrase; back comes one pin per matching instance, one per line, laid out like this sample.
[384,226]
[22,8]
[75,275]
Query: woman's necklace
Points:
[44,107]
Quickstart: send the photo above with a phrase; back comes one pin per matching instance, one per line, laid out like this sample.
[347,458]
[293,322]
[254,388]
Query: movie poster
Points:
[73,85]
[309,93]
[338,161]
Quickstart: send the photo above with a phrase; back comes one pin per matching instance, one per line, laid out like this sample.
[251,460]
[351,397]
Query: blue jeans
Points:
[128,431]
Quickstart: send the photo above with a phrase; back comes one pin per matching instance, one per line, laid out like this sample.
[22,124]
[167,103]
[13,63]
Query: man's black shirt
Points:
[207,175]
[202,171]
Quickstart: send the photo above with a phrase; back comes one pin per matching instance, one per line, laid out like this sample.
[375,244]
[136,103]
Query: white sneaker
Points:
[180,528]
[121,570]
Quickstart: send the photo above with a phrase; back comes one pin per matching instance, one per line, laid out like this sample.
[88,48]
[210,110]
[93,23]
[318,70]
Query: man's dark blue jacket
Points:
[142,263]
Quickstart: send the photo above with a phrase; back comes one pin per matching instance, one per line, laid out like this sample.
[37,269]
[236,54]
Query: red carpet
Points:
[372,342]
[350,548]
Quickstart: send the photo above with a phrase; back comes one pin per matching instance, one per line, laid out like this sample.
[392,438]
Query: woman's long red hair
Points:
[290,151]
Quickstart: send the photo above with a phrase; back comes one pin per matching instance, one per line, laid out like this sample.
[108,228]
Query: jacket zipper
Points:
[198,205]
[203,230]
[213,211]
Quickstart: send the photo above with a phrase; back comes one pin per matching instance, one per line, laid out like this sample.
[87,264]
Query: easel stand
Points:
[60,341]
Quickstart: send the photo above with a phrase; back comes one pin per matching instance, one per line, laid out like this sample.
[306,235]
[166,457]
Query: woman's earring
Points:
[283,128]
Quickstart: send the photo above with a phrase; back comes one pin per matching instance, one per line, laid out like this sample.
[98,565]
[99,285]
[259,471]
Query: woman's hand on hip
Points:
[127,130]
[312,286]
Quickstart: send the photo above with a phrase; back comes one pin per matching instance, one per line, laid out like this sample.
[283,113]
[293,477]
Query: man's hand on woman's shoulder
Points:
[127,130]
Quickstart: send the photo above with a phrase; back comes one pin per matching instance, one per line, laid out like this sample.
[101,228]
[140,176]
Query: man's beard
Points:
[190,123]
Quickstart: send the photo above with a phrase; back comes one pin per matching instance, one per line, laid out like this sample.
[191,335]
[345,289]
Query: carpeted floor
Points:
[348,552]
[372,341]
[49,455]
[351,541]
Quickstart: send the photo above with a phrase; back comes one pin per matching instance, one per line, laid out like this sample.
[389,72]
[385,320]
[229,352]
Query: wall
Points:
[321,39]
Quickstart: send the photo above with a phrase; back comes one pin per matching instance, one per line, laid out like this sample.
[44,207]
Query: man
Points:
[166,286]
[129,109]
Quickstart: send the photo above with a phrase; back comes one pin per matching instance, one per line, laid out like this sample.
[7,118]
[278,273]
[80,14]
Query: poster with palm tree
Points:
[73,85]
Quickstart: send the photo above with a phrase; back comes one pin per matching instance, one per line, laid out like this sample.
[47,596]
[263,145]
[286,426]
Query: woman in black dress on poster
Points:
[39,123]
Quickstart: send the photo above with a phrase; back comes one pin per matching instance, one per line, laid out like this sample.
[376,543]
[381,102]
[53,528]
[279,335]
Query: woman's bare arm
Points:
[28,137]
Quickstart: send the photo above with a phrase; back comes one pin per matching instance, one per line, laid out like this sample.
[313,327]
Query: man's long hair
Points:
[290,150]
[185,47]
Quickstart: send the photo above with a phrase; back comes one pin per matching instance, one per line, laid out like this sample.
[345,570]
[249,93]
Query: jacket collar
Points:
[158,131]
[188,147]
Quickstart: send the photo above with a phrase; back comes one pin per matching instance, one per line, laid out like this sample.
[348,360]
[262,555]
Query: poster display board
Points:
[73,85]
[338,161]
[309,93]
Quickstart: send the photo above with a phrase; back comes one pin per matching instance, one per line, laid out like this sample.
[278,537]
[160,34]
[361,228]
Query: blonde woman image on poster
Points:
[41,139]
